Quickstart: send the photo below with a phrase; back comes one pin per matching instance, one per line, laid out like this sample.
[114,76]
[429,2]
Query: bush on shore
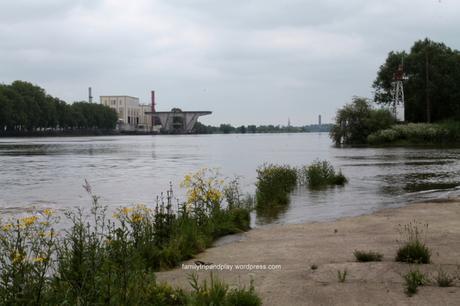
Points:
[100,260]
[274,183]
[418,133]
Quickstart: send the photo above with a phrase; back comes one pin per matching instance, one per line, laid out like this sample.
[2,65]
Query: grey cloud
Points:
[275,58]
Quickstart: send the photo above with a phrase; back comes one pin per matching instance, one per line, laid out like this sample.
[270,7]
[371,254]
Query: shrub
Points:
[417,133]
[413,279]
[321,173]
[274,183]
[366,256]
[413,249]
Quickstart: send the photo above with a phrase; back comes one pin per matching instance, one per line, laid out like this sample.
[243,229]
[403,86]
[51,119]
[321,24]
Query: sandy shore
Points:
[330,246]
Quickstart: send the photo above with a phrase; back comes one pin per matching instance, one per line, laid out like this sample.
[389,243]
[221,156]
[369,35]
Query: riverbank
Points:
[330,246]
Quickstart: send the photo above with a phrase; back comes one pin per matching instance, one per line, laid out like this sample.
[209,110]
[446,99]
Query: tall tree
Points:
[432,88]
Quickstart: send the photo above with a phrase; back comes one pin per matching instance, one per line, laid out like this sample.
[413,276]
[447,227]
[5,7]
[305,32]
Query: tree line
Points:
[252,129]
[25,107]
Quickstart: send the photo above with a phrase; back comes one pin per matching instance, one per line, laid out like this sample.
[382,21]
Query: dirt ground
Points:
[330,246]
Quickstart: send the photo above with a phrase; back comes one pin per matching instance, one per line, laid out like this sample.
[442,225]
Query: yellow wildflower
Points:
[39,259]
[17,257]
[126,210]
[7,227]
[48,212]
[136,218]
[28,221]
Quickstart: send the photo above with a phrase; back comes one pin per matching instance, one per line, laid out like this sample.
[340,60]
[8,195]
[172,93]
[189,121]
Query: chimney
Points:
[90,96]
[153,101]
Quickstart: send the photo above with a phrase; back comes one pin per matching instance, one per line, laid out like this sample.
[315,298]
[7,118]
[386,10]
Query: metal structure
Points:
[397,93]
[176,121]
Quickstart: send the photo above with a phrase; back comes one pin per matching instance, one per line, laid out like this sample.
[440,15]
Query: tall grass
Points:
[274,183]
[412,244]
[111,261]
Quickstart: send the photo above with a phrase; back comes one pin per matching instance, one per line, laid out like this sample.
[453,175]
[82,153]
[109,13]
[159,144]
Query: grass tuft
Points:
[342,275]
[366,256]
[413,248]
[413,279]
[444,279]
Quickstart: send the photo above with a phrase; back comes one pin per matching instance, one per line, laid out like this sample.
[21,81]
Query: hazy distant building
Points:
[131,115]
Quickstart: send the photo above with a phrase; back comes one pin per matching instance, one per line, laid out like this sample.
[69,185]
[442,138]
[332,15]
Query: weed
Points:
[365,256]
[414,279]
[218,293]
[444,279]
[342,275]
[413,248]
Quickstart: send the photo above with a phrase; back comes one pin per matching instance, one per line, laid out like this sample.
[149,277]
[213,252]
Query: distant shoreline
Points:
[82,133]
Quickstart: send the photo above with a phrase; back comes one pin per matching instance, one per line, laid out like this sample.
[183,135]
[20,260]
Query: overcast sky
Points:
[249,61]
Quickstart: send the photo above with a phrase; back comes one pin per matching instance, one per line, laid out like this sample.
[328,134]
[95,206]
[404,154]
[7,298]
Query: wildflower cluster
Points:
[101,260]
[27,246]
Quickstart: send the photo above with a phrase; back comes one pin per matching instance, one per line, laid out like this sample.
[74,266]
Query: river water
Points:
[38,173]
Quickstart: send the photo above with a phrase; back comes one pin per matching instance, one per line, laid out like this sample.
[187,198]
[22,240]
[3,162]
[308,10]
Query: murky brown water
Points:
[49,172]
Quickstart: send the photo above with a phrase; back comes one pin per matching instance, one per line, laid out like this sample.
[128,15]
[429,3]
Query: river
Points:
[38,173]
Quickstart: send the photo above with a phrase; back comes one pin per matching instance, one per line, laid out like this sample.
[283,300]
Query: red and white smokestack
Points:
[153,101]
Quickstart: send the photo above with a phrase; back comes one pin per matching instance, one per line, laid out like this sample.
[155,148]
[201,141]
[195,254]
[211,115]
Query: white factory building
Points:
[131,114]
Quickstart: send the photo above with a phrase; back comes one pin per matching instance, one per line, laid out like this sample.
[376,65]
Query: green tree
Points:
[432,88]
[355,121]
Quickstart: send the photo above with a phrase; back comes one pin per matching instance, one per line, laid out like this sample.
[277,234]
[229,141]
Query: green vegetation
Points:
[414,279]
[366,256]
[413,249]
[444,279]
[342,275]
[418,133]
[253,129]
[356,121]
[432,92]
[25,107]
[321,173]
[432,88]
[218,293]
[274,183]
[99,260]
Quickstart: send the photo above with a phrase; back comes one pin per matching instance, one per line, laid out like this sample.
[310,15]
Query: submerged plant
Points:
[274,183]
[321,173]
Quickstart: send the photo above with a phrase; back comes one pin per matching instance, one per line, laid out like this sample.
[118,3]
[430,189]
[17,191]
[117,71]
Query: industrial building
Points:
[133,116]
